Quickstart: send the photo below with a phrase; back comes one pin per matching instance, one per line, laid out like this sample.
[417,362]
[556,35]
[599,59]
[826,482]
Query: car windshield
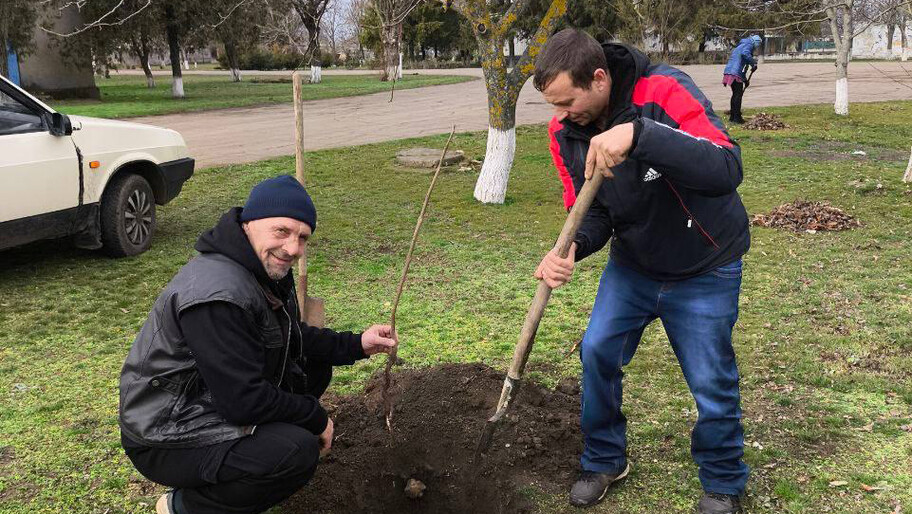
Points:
[15,117]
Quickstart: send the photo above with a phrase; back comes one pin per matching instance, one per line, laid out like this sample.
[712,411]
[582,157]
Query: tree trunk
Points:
[390,38]
[842,86]
[891,29]
[171,32]
[147,70]
[491,186]
[231,54]
[907,177]
[904,54]
[313,49]
[843,40]
[316,65]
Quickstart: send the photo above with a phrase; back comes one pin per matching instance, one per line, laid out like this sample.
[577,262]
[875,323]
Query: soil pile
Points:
[765,121]
[437,418]
[803,216]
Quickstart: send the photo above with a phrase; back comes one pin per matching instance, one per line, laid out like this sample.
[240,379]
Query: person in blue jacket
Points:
[735,74]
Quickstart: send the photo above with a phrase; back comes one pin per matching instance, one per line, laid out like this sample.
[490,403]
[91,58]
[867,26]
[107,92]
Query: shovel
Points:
[533,317]
[313,312]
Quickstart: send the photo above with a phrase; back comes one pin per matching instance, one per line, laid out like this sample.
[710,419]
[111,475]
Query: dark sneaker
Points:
[715,503]
[591,486]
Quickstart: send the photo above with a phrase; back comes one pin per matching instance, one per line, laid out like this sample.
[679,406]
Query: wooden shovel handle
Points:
[543,293]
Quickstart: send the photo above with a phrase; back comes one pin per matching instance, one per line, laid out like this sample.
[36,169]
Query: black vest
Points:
[163,400]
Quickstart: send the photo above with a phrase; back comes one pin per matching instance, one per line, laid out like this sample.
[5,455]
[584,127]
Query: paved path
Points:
[248,134]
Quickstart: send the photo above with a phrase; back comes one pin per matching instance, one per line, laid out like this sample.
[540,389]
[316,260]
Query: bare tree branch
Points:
[100,21]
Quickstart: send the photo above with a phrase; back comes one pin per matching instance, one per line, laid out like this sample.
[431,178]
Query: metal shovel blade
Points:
[510,387]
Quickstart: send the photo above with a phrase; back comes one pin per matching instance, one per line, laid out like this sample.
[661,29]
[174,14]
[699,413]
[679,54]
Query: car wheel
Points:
[127,216]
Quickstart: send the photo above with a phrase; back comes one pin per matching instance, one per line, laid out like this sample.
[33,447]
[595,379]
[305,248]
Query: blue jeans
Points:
[698,315]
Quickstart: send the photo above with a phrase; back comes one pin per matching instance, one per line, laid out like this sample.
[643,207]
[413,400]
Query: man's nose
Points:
[293,247]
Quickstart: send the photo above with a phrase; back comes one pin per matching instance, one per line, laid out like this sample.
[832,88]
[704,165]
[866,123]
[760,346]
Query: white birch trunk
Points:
[316,74]
[150,81]
[907,177]
[177,87]
[399,69]
[491,186]
[235,75]
[842,97]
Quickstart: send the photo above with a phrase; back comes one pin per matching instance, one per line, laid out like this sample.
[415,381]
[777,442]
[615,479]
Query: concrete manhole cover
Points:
[427,157]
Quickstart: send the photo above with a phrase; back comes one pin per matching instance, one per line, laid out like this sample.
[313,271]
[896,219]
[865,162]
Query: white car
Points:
[92,179]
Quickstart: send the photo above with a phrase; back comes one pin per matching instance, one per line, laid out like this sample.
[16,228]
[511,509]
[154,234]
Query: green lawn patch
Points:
[126,96]
[824,339]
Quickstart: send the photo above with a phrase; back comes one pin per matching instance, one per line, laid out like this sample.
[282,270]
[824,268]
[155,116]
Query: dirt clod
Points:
[414,489]
[765,121]
[439,415]
[805,216]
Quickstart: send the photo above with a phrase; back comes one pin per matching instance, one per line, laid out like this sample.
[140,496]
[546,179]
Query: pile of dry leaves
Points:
[803,216]
[765,121]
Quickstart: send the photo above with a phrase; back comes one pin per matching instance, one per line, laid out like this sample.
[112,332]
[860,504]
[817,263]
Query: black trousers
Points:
[737,95]
[244,476]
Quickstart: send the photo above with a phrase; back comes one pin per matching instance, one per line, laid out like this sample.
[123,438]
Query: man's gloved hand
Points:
[378,339]
[753,67]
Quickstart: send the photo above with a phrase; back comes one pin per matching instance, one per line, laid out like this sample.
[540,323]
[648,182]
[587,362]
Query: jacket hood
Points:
[626,65]
[228,238]
[754,41]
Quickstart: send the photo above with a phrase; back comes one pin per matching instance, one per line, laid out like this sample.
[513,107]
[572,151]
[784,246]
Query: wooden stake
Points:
[312,311]
[391,359]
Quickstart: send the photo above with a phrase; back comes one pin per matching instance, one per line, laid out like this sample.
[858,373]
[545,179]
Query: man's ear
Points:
[601,79]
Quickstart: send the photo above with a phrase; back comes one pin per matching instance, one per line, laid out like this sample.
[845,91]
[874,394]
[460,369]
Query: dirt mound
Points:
[803,216]
[437,418]
[765,121]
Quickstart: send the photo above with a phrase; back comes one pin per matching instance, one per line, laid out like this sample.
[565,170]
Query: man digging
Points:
[678,231]
[219,395]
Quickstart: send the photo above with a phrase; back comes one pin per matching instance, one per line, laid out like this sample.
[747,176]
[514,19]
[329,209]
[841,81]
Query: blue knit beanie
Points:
[280,197]
[756,40]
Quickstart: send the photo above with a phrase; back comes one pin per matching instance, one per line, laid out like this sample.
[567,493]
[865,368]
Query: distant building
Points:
[47,71]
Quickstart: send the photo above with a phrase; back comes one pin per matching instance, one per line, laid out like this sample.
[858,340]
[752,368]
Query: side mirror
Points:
[60,125]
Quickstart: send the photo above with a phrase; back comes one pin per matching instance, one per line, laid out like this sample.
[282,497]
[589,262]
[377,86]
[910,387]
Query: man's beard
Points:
[276,271]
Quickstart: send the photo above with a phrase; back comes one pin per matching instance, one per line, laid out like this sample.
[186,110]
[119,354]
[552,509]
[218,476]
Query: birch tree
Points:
[503,84]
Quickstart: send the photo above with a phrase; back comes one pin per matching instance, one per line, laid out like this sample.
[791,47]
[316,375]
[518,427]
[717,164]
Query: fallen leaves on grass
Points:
[838,483]
[765,121]
[805,216]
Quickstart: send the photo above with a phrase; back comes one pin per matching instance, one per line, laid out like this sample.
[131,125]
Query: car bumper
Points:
[176,173]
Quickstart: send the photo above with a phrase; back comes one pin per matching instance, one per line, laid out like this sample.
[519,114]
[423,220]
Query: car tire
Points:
[127,216]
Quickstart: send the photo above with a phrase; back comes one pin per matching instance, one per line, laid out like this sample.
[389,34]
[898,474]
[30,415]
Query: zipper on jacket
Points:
[287,347]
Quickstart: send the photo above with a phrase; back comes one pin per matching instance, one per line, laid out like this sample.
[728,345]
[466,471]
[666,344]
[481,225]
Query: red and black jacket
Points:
[672,211]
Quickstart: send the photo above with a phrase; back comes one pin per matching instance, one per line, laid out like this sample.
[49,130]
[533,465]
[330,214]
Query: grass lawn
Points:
[127,95]
[824,340]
